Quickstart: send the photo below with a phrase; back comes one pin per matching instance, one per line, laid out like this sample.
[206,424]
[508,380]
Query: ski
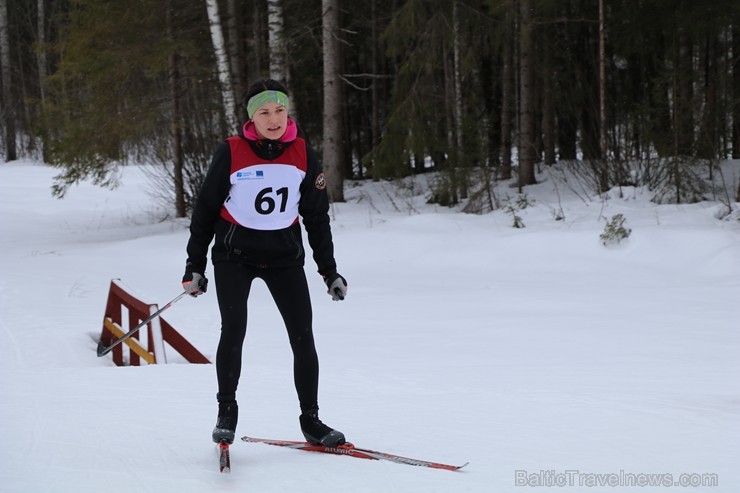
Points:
[224,460]
[350,450]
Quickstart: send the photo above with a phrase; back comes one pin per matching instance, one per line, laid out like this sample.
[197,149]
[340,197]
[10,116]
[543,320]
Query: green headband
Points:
[265,97]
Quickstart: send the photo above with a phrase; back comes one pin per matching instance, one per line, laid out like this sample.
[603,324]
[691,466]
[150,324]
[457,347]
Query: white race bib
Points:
[265,196]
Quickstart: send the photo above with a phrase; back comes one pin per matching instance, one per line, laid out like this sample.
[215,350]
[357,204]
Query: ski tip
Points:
[224,457]
[447,467]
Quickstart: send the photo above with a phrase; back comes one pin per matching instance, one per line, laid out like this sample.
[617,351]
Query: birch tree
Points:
[276,41]
[222,65]
[279,67]
[332,148]
[8,103]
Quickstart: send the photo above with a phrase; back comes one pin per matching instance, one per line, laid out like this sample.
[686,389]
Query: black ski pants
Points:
[289,289]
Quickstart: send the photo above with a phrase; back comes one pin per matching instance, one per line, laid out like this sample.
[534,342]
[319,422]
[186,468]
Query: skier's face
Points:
[271,121]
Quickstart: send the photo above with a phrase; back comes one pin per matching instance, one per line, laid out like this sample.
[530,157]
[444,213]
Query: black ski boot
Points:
[228,413]
[317,432]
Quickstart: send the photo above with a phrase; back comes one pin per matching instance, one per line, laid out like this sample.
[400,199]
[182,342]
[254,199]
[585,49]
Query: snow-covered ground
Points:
[550,362]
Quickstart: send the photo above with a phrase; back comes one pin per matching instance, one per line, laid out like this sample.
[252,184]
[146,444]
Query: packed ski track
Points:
[547,360]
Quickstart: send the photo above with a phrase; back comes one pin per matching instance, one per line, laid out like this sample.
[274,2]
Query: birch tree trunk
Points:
[8,103]
[276,40]
[332,145]
[222,64]
[278,51]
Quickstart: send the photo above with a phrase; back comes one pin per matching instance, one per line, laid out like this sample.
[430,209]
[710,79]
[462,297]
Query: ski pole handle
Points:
[103,349]
[338,293]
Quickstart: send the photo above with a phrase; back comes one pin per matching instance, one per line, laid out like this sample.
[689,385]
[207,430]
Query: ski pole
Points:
[103,349]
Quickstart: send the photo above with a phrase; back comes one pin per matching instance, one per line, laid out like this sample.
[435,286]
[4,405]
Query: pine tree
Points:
[7,92]
[332,148]
[527,137]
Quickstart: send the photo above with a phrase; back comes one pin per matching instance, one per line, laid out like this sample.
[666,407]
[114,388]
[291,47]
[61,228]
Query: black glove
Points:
[194,284]
[337,286]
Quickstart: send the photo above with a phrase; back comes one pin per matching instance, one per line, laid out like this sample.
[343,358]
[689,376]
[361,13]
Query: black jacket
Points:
[260,248]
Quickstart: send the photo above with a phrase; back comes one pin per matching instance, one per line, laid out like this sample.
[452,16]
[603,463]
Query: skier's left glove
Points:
[337,286]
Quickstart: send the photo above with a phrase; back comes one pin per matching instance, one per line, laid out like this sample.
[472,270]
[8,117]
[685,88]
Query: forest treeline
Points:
[625,92]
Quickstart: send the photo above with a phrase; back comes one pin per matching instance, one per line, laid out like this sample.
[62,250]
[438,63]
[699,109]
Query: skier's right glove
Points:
[194,284]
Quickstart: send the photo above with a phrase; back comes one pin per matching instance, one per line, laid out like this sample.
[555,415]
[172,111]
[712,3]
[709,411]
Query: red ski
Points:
[350,450]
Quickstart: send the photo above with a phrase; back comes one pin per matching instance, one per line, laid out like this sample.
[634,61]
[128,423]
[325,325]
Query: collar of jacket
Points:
[266,148]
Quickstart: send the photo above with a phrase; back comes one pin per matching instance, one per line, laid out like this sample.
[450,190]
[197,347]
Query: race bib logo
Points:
[320,181]
[250,175]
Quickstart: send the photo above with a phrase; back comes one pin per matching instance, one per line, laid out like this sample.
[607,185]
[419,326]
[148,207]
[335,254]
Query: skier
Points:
[257,186]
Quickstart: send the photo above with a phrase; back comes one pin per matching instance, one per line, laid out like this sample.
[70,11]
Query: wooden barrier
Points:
[158,332]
